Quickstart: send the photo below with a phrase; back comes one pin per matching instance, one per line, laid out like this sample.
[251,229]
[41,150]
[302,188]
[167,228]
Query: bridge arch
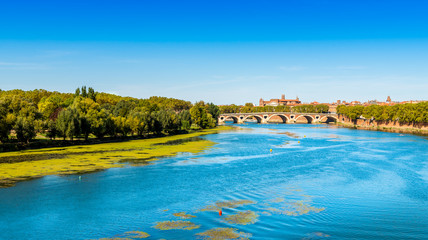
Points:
[328,119]
[284,118]
[233,118]
[309,118]
[258,118]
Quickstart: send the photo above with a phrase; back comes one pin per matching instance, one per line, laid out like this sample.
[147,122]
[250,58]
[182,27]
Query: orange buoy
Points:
[271,150]
[220,213]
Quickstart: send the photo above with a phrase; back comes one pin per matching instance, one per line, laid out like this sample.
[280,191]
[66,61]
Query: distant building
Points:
[279,102]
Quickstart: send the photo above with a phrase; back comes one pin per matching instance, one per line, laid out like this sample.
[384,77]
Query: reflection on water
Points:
[336,183]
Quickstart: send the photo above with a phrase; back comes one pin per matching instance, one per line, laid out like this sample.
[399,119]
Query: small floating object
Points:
[220,213]
[304,136]
[271,150]
[298,141]
[80,178]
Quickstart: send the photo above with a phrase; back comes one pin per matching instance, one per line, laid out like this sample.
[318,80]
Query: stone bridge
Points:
[283,117]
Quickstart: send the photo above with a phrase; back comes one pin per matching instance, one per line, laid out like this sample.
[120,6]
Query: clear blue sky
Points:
[219,51]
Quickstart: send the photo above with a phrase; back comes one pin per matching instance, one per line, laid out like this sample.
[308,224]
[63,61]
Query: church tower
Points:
[388,99]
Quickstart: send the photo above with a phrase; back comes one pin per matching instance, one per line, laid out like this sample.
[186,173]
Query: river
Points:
[318,182]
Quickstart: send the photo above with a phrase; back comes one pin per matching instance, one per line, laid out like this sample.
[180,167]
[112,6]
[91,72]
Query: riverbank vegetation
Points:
[87,115]
[250,108]
[403,113]
[28,164]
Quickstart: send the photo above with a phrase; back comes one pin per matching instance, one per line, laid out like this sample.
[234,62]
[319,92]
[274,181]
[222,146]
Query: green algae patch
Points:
[242,218]
[316,235]
[118,238]
[137,234]
[129,236]
[290,134]
[295,208]
[176,225]
[29,164]
[277,200]
[226,204]
[300,208]
[223,234]
[267,213]
[183,215]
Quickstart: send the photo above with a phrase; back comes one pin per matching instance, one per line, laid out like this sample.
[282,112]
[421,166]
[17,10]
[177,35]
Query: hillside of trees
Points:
[89,114]
[249,108]
[403,113]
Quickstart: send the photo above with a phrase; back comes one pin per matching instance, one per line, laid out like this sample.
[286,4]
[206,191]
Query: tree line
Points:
[409,112]
[250,108]
[86,113]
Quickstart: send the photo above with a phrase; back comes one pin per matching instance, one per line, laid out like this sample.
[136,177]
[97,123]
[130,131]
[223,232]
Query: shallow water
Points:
[337,183]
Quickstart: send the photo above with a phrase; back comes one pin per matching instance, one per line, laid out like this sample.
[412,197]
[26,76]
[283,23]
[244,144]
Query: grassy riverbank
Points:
[28,164]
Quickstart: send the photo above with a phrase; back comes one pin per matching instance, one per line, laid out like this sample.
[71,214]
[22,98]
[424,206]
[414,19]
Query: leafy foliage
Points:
[416,113]
[86,113]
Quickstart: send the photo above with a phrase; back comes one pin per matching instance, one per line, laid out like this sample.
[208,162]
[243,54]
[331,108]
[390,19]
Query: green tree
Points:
[199,114]
[68,123]
[214,110]
[185,120]
[25,126]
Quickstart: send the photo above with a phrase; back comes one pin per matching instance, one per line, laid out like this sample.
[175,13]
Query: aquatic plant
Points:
[266,213]
[183,215]
[290,134]
[174,225]
[226,204]
[295,208]
[116,238]
[277,200]
[223,234]
[137,234]
[242,218]
[315,235]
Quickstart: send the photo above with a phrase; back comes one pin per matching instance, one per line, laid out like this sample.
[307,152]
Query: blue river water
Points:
[319,182]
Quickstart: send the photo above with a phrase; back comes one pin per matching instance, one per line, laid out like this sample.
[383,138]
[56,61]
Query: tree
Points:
[199,114]
[77,92]
[24,128]
[98,120]
[68,123]
[91,94]
[7,121]
[84,93]
[215,111]
[123,125]
[185,120]
[51,130]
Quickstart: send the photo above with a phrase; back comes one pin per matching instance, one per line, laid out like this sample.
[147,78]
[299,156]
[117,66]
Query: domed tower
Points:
[388,100]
